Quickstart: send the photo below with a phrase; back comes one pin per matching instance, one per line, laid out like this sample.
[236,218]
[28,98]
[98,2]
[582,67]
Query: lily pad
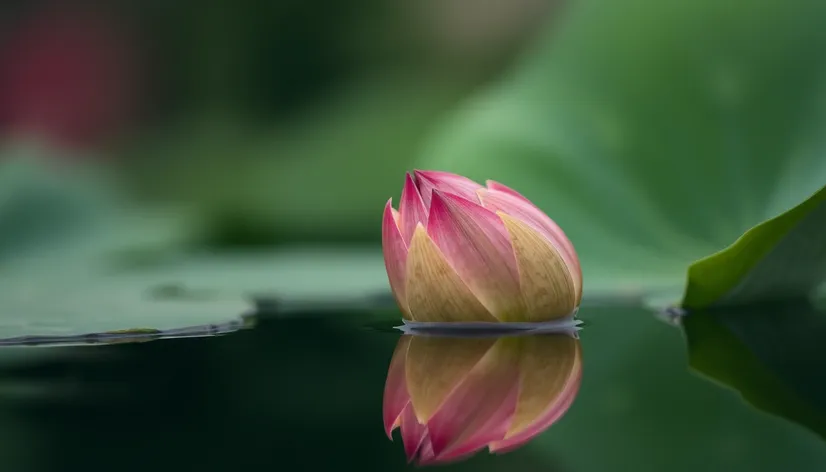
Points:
[91,300]
[772,354]
[80,266]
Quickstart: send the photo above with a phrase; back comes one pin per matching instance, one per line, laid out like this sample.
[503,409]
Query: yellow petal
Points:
[544,278]
[434,367]
[434,290]
[546,364]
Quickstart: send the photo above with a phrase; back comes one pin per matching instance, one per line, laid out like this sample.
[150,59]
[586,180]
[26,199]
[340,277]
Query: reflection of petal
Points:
[413,432]
[452,397]
[551,417]
[435,366]
[395,388]
[487,424]
[426,455]
[480,408]
[550,372]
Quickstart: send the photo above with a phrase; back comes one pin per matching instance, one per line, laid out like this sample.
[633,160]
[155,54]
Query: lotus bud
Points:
[452,397]
[457,251]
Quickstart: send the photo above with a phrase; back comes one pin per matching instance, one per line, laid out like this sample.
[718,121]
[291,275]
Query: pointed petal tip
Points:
[412,209]
[436,194]
[442,195]
[392,416]
[395,399]
[429,180]
[410,177]
[427,173]
[414,435]
[388,430]
[390,221]
[394,250]
[500,187]
[447,200]
[419,176]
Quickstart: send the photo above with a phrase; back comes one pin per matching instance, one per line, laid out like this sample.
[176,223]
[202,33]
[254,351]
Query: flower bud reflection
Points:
[452,397]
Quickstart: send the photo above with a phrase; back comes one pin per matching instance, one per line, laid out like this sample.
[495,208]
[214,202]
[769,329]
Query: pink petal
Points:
[429,180]
[516,205]
[476,244]
[395,256]
[396,397]
[411,209]
[494,185]
[519,207]
[434,291]
[413,433]
[480,408]
[548,287]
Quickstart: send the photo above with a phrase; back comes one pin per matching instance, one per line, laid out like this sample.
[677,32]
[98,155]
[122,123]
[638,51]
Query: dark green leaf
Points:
[772,354]
[784,257]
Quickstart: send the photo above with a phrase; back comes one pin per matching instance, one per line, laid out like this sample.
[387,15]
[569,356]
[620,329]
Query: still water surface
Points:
[306,394]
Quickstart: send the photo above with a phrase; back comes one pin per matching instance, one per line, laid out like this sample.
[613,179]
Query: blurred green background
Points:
[203,151]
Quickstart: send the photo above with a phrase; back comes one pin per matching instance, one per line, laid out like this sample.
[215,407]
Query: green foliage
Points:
[79,264]
[67,244]
[782,258]
[655,133]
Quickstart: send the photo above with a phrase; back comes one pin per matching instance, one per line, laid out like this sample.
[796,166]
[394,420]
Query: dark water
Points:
[305,393]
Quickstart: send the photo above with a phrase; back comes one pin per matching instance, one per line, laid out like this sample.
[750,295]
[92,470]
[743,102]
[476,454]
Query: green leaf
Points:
[62,234]
[183,294]
[782,258]
[771,354]
[78,265]
[657,133]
